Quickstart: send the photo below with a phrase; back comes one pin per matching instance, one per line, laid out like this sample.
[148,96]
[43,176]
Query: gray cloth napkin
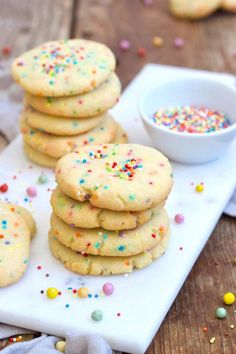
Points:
[76,343]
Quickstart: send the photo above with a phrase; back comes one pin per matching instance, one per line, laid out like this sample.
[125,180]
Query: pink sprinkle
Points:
[124,45]
[31,191]
[178,42]
[108,288]
[179,218]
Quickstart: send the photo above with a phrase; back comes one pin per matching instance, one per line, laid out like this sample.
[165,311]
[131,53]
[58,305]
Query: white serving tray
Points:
[142,298]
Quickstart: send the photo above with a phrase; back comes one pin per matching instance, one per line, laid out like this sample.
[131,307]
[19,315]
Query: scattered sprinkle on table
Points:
[124,45]
[178,42]
[157,41]
[229,298]
[221,313]
[212,340]
[191,119]
[142,52]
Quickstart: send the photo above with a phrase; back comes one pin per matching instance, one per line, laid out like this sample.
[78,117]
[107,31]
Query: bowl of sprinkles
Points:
[191,120]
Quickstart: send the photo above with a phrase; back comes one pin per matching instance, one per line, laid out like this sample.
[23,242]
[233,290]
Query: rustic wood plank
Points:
[26,24]
[209,45]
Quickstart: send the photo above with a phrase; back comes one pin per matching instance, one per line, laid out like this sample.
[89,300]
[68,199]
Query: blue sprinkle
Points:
[90,295]
[82,181]
[121,248]
[67,305]
[96,295]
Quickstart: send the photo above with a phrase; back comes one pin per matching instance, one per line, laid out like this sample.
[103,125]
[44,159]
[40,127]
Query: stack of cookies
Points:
[108,208]
[69,87]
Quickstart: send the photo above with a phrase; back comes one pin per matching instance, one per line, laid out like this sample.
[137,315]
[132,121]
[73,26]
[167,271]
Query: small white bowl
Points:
[184,147]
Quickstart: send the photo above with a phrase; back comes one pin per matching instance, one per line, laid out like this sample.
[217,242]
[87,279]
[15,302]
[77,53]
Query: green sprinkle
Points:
[132,197]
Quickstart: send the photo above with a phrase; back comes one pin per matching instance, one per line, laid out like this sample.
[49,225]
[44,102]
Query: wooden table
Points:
[209,45]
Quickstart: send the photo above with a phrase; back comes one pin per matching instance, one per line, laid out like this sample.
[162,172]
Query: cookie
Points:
[16,229]
[229,5]
[90,104]
[63,68]
[126,177]
[83,214]
[39,158]
[99,265]
[112,243]
[58,125]
[58,146]
[47,161]
[193,9]
[24,214]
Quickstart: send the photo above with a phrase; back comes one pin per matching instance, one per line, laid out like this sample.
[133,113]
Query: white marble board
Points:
[133,314]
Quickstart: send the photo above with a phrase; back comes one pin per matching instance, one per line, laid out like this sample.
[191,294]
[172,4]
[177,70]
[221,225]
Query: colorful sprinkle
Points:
[32,191]
[124,45]
[124,169]
[199,188]
[52,293]
[43,179]
[4,188]
[108,289]
[191,119]
[157,41]
[142,52]
[229,298]
[221,312]
[179,218]
[178,42]
[97,315]
[61,346]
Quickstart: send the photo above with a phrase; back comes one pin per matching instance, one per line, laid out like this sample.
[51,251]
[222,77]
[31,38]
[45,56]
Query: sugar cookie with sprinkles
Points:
[63,68]
[127,177]
[17,227]
[50,162]
[59,125]
[57,146]
[112,243]
[99,265]
[90,104]
[193,9]
[83,214]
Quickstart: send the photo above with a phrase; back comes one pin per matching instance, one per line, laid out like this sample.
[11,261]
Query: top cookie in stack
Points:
[108,208]
[69,87]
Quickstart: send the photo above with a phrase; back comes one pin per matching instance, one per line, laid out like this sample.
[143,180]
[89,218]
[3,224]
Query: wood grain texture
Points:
[25,24]
[209,45]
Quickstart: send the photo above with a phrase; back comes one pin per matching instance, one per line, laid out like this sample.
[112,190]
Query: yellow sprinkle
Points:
[157,41]
[212,340]
[199,188]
